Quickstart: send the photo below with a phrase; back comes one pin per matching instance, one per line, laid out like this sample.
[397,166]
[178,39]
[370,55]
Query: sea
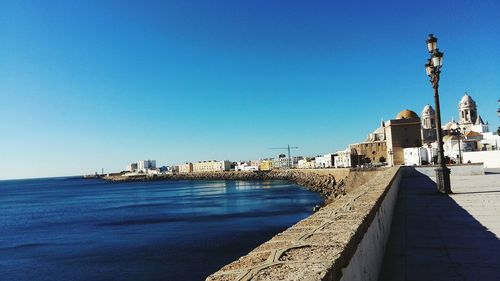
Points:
[75,229]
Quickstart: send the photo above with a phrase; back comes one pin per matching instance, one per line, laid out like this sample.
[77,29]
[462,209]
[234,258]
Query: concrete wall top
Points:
[338,173]
[456,170]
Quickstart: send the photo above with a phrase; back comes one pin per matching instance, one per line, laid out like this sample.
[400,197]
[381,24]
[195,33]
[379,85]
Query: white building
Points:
[325,161]
[418,155]
[344,159]
[251,168]
[285,162]
[490,141]
[132,167]
[246,166]
[240,166]
[490,159]
[145,165]
[154,172]
[307,163]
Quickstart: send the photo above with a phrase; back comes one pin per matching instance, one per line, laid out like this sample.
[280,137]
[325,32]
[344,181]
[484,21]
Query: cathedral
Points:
[387,143]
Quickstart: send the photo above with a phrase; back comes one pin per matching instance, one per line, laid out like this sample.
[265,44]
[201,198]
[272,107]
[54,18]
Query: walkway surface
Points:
[441,237]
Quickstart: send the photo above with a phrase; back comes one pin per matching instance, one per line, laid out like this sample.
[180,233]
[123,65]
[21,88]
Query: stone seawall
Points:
[324,183]
[333,244]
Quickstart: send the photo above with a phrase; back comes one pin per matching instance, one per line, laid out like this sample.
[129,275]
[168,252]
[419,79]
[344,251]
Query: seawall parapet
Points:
[344,240]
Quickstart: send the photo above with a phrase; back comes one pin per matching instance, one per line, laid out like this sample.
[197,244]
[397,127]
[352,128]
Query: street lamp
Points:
[433,70]
[498,112]
[458,132]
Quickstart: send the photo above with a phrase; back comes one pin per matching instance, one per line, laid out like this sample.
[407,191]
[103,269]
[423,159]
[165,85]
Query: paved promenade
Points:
[440,237]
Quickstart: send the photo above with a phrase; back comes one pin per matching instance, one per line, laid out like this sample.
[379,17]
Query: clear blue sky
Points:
[91,84]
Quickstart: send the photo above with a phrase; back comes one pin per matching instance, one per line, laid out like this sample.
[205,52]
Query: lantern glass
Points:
[431,46]
[431,43]
[436,61]
[437,58]
[428,69]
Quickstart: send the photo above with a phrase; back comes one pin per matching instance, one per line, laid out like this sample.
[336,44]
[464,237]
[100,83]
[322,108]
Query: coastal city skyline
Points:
[249,140]
[95,85]
[407,139]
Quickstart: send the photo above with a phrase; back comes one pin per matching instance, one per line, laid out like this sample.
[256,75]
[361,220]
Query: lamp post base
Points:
[443,180]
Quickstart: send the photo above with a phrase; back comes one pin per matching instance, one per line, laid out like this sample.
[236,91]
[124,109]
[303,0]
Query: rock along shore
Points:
[325,184]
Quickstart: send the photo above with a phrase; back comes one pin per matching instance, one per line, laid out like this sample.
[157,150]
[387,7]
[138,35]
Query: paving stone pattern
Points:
[445,237]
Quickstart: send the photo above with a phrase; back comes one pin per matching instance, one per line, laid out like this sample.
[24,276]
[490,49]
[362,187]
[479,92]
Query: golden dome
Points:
[406,114]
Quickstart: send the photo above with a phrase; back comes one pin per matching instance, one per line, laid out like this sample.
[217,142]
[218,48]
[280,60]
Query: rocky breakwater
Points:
[325,184]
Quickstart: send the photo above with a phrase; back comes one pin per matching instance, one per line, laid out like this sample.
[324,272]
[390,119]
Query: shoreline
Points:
[325,184]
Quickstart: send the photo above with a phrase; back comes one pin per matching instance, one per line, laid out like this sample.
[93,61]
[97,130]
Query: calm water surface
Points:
[75,229]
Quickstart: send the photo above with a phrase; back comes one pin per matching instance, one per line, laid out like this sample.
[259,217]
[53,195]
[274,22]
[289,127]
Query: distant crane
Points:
[289,164]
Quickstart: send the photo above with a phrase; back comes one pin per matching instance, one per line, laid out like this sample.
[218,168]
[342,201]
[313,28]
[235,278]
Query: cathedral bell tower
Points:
[428,118]
[467,110]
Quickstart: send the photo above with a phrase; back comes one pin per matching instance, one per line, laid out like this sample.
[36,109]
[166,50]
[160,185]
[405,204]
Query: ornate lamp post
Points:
[498,112]
[433,69]
[458,132]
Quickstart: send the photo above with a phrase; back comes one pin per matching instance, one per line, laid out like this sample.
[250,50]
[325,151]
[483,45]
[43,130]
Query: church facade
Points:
[385,145]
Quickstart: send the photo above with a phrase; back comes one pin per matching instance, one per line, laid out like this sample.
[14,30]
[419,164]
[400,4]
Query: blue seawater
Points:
[77,229]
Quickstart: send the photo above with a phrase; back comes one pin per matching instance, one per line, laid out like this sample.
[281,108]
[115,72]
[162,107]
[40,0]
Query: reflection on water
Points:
[74,229]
